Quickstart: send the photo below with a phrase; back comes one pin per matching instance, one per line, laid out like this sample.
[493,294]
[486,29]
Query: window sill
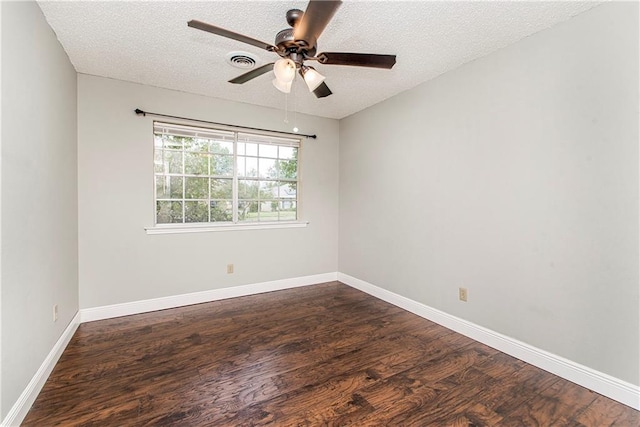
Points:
[205,228]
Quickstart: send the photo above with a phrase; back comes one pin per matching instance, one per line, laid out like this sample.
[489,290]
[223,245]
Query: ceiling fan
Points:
[298,44]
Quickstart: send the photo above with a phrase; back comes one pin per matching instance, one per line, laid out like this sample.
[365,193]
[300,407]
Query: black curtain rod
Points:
[144,113]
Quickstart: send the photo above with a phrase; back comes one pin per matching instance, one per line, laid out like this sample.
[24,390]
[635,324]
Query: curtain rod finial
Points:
[139,111]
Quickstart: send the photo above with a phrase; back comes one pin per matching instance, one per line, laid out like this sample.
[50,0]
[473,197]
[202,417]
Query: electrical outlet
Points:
[229,268]
[55,312]
[462,294]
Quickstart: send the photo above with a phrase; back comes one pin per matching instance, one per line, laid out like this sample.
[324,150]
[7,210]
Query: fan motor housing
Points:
[285,37]
[286,43]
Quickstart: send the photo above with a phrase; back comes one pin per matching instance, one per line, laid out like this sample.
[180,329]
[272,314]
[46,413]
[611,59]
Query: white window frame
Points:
[235,224]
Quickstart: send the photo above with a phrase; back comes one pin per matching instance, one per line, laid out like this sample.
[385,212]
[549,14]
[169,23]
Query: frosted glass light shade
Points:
[313,79]
[285,70]
[282,87]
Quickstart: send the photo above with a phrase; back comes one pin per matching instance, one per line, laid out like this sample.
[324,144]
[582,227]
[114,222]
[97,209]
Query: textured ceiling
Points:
[150,43]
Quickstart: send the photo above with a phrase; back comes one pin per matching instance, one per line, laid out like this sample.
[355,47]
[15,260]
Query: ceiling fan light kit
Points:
[282,86]
[285,70]
[298,44]
[311,77]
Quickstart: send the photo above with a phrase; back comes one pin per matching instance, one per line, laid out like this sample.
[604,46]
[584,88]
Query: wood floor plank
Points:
[318,355]
[606,412]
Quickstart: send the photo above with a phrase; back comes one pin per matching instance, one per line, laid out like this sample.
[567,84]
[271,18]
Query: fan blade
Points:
[252,74]
[322,90]
[314,20]
[229,34]
[357,59]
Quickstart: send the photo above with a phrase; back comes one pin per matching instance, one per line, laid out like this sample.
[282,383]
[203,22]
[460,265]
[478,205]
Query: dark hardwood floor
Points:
[318,355]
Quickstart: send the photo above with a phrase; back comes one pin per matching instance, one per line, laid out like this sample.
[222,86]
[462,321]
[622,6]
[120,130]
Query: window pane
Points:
[288,153]
[251,149]
[196,163]
[196,188]
[267,168]
[162,187]
[221,165]
[287,190]
[168,212]
[268,190]
[240,165]
[287,169]
[248,211]
[268,150]
[168,187]
[247,189]
[196,144]
[173,142]
[158,164]
[157,141]
[251,168]
[222,147]
[287,210]
[196,211]
[241,150]
[221,189]
[173,161]
[176,190]
[221,210]
[269,210]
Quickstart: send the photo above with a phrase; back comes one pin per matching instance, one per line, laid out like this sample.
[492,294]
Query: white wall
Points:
[39,194]
[120,263]
[515,176]
[1,413]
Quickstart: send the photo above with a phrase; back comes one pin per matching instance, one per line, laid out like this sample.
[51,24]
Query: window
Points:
[218,176]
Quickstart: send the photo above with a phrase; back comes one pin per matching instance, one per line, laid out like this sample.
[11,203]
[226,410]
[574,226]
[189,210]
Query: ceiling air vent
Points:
[243,60]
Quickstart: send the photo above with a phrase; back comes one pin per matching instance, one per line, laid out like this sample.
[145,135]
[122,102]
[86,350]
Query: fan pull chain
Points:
[286,105]
[295,110]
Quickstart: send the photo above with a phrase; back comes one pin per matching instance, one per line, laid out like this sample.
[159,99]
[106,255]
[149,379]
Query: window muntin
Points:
[208,175]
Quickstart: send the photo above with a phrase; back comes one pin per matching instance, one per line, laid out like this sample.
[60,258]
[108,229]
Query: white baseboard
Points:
[144,306]
[20,409]
[599,382]
[614,388]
